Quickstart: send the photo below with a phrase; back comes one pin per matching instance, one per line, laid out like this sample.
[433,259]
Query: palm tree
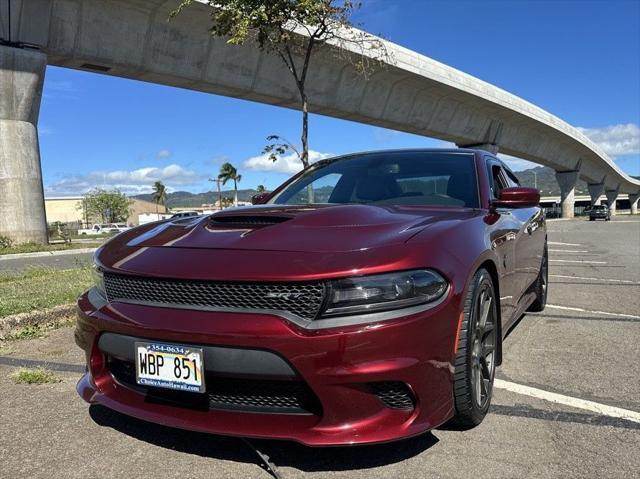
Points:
[261,189]
[228,172]
[159,194]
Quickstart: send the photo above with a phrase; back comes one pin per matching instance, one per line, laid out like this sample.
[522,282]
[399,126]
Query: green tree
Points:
[159,194]
[111,206]
[225,202]
[228,172]
[261,189]
[294,30]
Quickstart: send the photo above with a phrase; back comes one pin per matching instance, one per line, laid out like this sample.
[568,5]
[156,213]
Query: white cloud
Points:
[616,140]
[128,181]
[517,164]
[286,164]
[163,154]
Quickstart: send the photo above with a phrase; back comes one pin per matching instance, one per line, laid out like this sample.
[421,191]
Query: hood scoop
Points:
[251,221]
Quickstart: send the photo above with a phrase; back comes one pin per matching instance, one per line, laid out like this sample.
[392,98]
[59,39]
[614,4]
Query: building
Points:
[68,209]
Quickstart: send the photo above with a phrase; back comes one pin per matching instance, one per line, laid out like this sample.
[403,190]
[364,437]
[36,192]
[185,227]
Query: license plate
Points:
[171,366]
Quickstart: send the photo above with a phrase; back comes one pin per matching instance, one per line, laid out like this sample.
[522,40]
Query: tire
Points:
[590,219]
[475,361]
[540,287]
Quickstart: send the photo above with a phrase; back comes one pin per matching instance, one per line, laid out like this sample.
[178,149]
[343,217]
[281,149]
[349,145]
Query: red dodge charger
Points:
[365,300]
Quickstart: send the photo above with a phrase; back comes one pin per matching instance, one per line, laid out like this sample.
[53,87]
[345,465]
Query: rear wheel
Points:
[476,354]
[541,284]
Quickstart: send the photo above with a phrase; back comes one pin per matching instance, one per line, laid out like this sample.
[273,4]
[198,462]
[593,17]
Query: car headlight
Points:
[384,292]
[98,280]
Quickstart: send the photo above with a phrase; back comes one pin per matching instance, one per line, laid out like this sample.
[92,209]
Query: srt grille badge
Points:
[286,296]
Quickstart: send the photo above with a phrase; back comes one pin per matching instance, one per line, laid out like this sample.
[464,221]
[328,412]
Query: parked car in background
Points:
[102,228]
[365,300]
[185,214]
[599,212]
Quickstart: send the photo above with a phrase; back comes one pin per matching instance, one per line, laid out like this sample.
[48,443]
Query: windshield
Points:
[388,178]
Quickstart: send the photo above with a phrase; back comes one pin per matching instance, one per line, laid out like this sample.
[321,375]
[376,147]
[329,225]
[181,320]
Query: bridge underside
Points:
[132,39]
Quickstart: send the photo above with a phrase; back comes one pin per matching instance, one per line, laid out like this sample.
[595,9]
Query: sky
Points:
[578,59]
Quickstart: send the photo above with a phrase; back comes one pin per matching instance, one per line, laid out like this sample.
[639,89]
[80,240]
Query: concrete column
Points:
[22,216]
[596,190]
[633,202]
[612,196]
[567,181]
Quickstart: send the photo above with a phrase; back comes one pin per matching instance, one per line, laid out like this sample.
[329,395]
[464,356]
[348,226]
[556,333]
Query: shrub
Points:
[5,242]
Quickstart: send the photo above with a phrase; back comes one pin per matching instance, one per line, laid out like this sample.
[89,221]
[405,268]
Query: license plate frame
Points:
[161,373]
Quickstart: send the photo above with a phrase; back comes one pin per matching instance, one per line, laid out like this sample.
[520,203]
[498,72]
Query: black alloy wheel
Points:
[476,355]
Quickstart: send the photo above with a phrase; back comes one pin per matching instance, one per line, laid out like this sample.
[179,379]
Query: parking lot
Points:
[566,403]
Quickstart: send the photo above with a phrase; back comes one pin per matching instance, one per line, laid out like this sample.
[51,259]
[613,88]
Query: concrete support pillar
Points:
[567,181]
[633,202]
[612,196]
[22,216]
[596,190]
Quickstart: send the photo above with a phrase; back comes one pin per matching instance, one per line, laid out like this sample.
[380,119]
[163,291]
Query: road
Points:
[56,261]
[587,352]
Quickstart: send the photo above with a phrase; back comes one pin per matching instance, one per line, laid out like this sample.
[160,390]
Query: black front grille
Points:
[394,394]
[238,394]
[301,299]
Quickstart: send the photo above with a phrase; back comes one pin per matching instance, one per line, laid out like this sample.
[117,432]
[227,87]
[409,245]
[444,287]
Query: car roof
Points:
[399,150]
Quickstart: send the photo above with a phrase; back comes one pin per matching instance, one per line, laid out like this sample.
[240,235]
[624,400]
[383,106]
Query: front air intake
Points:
[394,394]
[247,220]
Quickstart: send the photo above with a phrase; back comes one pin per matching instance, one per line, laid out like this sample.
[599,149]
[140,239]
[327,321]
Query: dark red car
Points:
[365,300]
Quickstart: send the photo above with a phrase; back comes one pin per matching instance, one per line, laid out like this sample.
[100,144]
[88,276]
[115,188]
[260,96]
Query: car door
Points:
[528,250]
[504,236]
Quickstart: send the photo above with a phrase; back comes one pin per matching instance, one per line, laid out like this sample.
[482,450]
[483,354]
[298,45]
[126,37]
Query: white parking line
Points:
[575,261]
[563,244]
[592,406]
[588,278]
[605,313]
[568,251]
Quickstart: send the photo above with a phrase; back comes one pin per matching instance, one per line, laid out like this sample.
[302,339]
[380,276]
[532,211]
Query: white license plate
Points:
[172,366]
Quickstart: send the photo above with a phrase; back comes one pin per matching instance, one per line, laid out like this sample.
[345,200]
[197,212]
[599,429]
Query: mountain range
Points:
[539,177]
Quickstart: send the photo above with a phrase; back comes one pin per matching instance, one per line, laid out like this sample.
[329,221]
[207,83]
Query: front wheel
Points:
[475,363]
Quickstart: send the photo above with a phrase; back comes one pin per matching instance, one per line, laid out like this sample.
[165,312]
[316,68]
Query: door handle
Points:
[530,228]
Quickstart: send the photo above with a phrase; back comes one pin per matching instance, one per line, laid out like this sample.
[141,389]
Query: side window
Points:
[497,177]
[512,180]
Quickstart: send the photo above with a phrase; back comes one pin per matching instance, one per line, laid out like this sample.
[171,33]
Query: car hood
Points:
[318,229]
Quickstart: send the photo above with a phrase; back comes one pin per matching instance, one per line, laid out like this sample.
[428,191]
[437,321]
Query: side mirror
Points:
[260,198]
[517,197]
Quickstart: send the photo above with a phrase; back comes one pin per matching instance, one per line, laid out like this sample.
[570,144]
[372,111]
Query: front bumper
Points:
[340,367]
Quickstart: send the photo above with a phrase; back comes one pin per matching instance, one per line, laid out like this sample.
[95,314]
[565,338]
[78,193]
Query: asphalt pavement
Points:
[574,368]
[56,261]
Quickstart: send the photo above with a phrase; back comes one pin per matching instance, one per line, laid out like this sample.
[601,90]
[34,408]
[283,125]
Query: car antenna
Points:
[266,462]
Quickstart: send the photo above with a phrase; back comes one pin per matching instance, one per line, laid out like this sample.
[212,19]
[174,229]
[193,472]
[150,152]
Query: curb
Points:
[38,254]
[33,318]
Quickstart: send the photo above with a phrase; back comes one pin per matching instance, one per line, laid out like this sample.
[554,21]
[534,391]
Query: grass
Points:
[35,247]
[34,376]
[41,288]
[28,332]
[5,350]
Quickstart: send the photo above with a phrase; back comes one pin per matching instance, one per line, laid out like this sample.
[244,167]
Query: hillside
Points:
[184,199]
[545,178]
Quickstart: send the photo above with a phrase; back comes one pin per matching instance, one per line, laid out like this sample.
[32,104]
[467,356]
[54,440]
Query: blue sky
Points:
[577,59]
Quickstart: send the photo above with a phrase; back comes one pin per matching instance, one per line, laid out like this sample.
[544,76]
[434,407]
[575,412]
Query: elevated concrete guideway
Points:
[132,39]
